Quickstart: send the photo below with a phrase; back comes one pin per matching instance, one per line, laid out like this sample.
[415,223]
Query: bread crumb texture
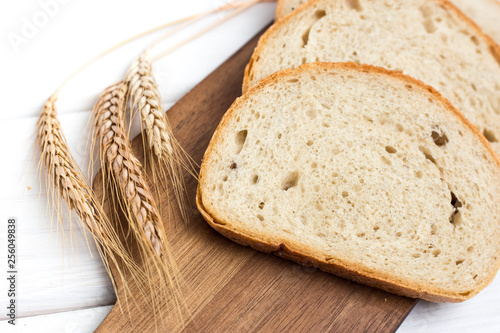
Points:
[363,169]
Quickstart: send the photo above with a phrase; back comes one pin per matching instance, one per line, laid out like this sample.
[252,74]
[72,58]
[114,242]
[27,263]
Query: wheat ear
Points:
[122,170]
[162,151]
[65,180]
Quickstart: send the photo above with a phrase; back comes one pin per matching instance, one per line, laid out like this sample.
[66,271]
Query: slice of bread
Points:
[362,172]
[427,39]
[485,13]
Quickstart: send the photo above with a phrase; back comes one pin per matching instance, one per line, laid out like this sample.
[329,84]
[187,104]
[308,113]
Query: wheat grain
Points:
[65,180]
[160,144]
[122,170]
[126,169]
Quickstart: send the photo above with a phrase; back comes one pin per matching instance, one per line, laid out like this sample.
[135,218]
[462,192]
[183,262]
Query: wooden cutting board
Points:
[231,288]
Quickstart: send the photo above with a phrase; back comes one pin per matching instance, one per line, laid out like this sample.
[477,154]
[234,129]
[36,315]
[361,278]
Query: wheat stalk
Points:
[160,144]
[118,158]
[122,170]
[65,180]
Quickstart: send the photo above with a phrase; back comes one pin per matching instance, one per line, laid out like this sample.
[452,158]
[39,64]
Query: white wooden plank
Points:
[81,321]
[479,314]
[52,275]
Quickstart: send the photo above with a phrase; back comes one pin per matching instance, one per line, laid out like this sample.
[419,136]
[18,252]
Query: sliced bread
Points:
[485,13]
[362,172]
[427,39]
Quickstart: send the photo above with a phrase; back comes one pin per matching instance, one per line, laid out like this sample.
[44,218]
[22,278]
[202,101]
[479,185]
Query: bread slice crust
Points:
[306,256]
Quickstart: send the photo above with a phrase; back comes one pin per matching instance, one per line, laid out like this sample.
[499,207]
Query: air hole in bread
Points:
[260,217]
[262,204]
[305,36]
[280,135]
[489,135]
[320,13]
[470,249]
[361,234]
[310,143]
[375,228]
[383,120]
[440,138]
[311,114]
[355,4]
[345,194]
[456,216]
[416,255]
[474,40]
[434,229]
[427,154]
[241,137]
[290,181]
[224,178]
[386,160]
[255,179]
[305,40]
[293,80]
[436,252]
[455,202]
[368,119]
[390,149]
[399,234]
[429,25]
[419,174]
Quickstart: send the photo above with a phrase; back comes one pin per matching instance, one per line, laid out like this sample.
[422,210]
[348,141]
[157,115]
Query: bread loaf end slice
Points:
[368,174]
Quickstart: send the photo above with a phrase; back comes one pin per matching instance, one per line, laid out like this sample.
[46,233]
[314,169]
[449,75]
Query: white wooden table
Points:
[61,287]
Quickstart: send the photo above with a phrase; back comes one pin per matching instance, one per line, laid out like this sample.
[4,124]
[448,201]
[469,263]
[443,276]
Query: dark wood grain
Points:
[230,288]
